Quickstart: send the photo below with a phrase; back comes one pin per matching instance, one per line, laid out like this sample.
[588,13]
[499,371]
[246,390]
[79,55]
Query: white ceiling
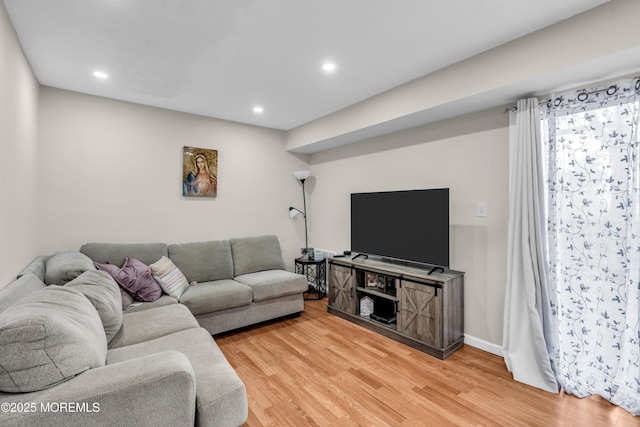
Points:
[220,58]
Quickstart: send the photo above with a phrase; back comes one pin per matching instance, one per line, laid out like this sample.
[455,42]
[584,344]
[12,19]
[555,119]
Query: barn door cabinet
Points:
[342,292]
[425,311]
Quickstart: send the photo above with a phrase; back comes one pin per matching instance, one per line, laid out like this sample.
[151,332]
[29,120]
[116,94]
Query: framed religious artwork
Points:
[199,172]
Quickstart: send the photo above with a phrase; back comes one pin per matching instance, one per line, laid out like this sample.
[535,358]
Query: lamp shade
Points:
[302,175]
[293,212]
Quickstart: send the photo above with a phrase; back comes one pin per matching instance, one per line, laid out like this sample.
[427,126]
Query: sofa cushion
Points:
[273,283]
[203,261]
[115,253]
[209,297]
[37,267]
[151,324]
[160,302]
[19,289]
[104,293]
[63,267]
[47,337]
[251,254]
[135,277]
[170,278]
[221,395]
[125,298]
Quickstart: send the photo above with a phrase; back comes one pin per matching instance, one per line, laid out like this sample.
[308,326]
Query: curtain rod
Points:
[583,95]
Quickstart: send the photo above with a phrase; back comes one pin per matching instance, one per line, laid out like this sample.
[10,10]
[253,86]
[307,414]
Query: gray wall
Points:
[469,155]
[111,171]
[18,154]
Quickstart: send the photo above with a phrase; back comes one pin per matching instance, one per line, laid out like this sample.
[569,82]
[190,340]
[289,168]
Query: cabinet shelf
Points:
[392,326]
[377,293]
[428,307]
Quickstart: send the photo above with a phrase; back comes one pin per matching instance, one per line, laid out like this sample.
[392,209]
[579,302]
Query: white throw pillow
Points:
[170,278]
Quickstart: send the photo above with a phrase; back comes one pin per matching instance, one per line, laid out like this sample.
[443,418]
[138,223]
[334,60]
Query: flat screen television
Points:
[410,225]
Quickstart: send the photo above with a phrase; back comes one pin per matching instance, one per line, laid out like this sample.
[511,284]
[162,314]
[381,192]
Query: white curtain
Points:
[526,302]
[594,240]
[573,274]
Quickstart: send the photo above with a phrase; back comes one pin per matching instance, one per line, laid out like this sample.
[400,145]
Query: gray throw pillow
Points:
[63,267]
[104,293]
[251,254]
[49,337]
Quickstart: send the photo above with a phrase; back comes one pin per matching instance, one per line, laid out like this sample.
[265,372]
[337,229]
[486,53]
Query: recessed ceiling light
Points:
[100,74]
[258,110]
[328,66]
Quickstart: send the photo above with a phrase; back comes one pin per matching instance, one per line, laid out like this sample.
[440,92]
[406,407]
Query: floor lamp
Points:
[302,176]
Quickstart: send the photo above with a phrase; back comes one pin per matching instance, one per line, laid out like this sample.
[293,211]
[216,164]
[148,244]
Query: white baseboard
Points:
[483,345]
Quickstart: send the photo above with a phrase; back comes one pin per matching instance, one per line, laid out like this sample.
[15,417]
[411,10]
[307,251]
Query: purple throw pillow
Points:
[135,277]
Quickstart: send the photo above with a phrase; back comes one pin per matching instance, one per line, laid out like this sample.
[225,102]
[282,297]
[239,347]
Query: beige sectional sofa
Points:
[70,355]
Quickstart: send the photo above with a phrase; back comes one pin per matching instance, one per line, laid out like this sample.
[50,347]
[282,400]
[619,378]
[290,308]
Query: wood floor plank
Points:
[323,371]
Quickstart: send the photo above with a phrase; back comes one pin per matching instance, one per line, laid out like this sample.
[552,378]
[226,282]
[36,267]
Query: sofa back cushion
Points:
[19,289]
[104,293]
[252,254]
[48,337]
[115,253]
[62,267]
[37,267]
[203,261]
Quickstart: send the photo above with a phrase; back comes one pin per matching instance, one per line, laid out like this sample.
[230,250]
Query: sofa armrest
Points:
[157,389]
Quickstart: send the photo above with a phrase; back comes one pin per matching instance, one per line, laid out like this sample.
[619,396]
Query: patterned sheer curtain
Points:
[593,225]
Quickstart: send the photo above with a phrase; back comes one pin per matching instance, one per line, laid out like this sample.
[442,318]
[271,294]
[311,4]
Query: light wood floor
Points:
[320,370]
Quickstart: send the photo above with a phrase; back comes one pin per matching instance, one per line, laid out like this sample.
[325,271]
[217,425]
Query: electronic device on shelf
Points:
[343,254]
[384,311]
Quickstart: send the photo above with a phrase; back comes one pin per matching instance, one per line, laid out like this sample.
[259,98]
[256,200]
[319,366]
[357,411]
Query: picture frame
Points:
[199,172]
[390,287]
[382,282]
[366,306]
[371,280]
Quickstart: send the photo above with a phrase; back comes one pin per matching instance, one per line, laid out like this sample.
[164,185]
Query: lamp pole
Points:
[304,214]
[302,176]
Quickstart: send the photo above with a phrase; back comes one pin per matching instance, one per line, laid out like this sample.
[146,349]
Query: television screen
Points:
[404,225]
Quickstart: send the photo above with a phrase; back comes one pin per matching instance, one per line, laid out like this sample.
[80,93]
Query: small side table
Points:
[316,272]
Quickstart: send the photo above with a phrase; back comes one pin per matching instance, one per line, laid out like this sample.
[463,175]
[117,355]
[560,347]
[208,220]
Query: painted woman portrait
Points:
[199,172]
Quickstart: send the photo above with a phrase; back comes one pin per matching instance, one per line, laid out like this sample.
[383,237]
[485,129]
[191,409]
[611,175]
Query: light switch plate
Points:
[481,209]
